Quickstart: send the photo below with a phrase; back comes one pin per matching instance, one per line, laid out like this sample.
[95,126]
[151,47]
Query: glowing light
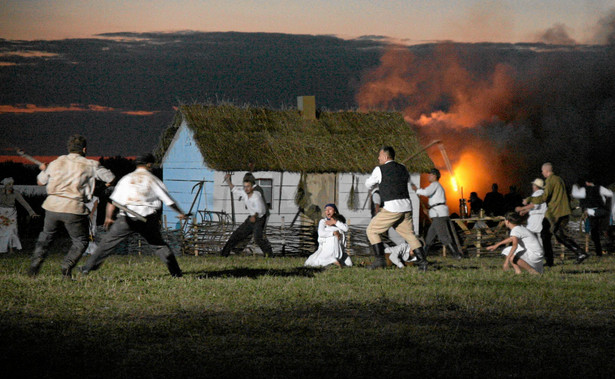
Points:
[454,184]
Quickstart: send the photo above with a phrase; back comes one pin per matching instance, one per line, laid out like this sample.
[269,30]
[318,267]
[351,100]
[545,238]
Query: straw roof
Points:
[231,137]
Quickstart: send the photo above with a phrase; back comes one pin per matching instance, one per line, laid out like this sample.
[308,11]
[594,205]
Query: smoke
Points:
[502,110]
[558,34]
[605,29]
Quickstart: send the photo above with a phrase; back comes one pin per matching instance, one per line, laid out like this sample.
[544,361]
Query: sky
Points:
[116,70]
[413,21]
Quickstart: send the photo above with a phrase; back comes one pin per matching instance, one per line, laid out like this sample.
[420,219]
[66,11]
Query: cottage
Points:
[300,159]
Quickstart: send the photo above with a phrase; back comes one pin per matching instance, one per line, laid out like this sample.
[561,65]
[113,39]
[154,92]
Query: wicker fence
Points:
[208,238]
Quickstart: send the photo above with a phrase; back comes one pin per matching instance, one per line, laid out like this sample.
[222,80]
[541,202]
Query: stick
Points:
[130,211]
[21,153]
[423,149]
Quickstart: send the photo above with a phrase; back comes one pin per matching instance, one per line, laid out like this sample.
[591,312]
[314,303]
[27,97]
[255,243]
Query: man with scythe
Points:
[139,195]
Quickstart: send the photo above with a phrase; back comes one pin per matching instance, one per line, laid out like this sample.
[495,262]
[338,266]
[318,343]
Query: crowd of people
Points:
[138,196]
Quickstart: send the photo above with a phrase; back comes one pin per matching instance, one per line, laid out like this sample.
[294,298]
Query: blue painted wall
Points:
[183,167]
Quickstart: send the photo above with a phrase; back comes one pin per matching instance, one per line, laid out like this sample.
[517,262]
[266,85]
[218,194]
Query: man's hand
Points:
[413,186]
[43,167]
[505,266]
[492,247]
[253,219]
[337,234]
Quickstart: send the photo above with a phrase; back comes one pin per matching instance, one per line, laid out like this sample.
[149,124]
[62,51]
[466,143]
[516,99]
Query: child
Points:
[526,251]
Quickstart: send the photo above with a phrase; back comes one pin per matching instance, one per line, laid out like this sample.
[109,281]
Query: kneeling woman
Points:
[331,240]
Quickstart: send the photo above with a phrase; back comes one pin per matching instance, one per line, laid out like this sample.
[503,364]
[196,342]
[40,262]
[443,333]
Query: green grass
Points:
[256,317]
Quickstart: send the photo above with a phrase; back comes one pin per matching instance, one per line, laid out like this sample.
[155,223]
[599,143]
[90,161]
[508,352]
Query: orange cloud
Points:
[32,108]
[28,54]
[4,64]
[140,113]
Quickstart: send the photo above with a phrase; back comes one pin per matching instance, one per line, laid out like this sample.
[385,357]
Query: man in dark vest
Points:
[591,198]
[392,179]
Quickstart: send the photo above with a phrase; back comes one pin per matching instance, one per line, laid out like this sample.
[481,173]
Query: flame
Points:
[473,172]
[454,184]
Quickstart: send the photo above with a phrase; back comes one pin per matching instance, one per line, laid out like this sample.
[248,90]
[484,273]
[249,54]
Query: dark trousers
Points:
[77,227]
[547,246]
[594,232]
[558,229]
[246,230]
[122,228]
[439,227]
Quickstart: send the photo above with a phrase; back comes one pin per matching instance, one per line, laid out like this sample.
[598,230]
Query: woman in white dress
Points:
[9,237]
[331,240]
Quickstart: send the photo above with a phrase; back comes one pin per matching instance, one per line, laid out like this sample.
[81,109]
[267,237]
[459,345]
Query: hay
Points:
[281,140]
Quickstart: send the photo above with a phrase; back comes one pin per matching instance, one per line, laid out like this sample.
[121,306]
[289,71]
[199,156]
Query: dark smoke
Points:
[556,35]
[521,105]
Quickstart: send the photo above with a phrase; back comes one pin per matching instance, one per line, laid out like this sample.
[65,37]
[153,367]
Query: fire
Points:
[472,173]
[444,100]
[454,184]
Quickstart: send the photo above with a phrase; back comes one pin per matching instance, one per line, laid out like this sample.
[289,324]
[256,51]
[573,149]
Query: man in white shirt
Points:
[392,179]
[256,221]
[438,212]
[70,183]
[143,194]
[592,199]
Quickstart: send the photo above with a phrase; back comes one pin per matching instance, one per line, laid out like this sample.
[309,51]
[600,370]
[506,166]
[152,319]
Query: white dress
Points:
[9,236]
[330,248]
[529,247]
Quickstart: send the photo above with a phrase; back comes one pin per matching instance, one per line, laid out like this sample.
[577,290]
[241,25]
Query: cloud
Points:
[28,54]
[140,113]
[32,108]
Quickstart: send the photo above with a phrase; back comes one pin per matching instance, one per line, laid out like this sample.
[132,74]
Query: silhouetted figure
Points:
[512,199]
[476,203]
[494,202]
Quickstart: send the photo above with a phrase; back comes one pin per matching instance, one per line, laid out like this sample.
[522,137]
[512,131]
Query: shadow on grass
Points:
[345,339]
[254,273]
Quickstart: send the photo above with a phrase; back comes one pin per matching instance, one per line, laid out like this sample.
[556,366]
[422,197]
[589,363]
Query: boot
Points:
[379,261]
[35,266]
[454,251]
[173,267]
[422,263]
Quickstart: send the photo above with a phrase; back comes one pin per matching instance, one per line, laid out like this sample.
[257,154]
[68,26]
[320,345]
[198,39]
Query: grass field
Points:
[272,318]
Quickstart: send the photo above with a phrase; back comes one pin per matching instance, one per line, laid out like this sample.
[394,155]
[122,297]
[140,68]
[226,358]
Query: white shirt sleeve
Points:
[578,192]
[161,191]
[374,178]
[427,191]
[605,192]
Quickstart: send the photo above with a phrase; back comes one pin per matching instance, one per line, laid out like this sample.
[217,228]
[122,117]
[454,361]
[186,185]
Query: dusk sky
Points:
[116,70]
[414,21]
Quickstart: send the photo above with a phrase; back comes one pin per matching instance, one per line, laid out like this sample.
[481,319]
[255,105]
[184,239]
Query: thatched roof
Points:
[231,137]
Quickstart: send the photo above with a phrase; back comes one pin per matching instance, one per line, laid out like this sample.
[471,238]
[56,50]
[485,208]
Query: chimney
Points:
[307,107]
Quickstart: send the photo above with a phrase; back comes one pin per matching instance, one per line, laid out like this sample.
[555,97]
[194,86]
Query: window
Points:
[267,186]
